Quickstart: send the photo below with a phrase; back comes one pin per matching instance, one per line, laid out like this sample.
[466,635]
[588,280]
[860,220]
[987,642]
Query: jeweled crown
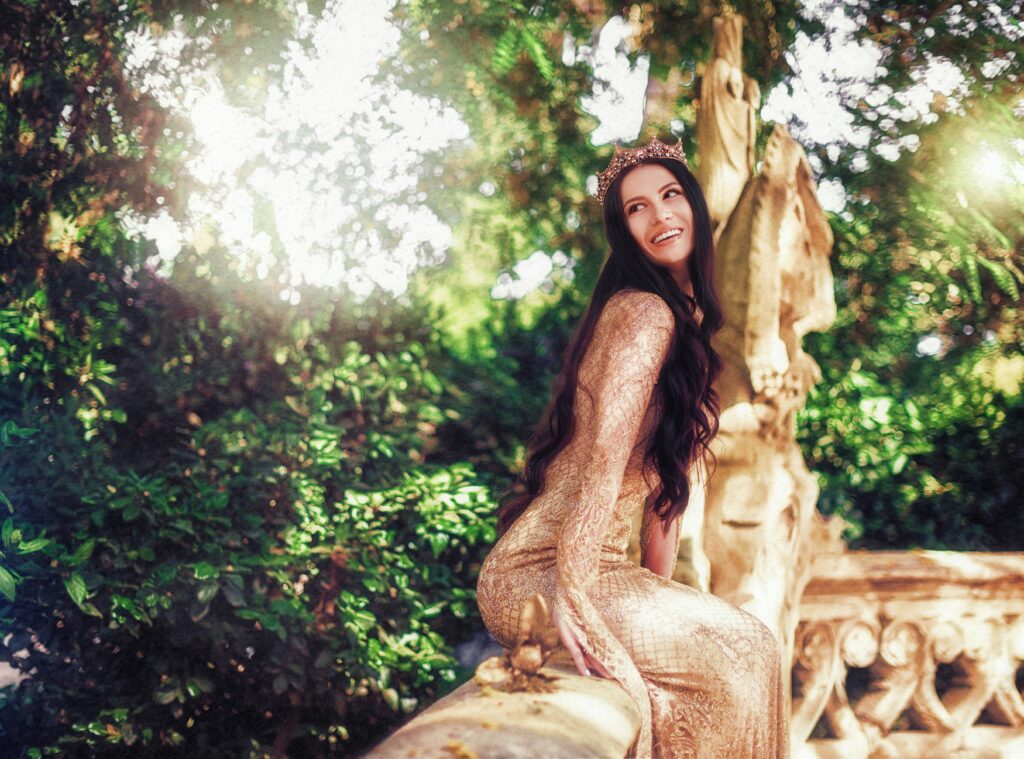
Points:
[623,158]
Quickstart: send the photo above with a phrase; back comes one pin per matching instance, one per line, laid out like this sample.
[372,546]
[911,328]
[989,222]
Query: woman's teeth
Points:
[666,235]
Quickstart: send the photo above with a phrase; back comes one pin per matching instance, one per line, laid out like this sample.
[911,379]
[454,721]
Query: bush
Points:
[224,535]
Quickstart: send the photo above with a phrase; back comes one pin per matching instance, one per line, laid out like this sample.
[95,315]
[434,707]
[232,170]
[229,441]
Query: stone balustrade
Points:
[910,654]
[907,654]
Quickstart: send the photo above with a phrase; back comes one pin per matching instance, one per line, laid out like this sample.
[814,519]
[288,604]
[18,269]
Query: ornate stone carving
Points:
[519,669]
[914,655]
[772,274]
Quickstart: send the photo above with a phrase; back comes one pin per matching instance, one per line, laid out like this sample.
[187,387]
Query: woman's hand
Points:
[580,657]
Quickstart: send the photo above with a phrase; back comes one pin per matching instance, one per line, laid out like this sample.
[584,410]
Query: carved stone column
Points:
[773,277]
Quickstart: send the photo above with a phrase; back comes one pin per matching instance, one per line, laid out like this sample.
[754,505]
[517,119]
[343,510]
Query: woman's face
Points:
[659,217]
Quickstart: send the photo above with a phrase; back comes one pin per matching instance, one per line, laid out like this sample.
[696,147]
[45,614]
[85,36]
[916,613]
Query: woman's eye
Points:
[668,193]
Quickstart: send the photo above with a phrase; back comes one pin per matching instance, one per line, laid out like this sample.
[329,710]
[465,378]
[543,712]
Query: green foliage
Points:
[221,533]
[913,450]
[253,549]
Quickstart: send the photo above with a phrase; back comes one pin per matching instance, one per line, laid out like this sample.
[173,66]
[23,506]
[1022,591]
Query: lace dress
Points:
[704,674]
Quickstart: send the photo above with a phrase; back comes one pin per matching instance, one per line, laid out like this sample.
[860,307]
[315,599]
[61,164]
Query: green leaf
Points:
[34,545]
[1002,277]
[504,56]
[233,592]
[205,571]
[433,610]
[438,543]
[973,281]
[538,54]
[207,592]
[9,430]
[7,584]
[362,619]
[128,605]
[76,588]
[92,388]
[6,530]
[197,611]
[432,383]
[6,501]
[165,694]
[81,554]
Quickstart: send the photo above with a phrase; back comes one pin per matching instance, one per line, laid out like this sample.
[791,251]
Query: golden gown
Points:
[704,674]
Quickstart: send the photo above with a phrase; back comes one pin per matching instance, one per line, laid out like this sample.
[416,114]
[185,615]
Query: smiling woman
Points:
[660,219]
[705,675]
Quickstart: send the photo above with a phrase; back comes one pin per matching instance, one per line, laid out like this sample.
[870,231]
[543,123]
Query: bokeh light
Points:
[323,173]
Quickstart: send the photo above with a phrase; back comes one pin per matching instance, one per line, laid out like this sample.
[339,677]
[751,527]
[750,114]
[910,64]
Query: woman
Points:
[631,417]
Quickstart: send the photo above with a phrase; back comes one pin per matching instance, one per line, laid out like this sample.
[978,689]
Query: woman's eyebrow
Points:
[638,197]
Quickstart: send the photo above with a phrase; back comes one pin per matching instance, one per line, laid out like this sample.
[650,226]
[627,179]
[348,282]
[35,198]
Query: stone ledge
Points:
[931,576]
[581,717]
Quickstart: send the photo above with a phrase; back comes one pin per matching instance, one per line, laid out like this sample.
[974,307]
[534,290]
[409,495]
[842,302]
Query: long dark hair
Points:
[689,403]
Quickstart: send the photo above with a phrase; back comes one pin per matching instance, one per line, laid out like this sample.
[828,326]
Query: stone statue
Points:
[774,280]
[726,122]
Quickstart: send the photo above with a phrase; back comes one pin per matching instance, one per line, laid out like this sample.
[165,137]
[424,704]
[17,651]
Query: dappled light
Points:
[285,286]
[322,173]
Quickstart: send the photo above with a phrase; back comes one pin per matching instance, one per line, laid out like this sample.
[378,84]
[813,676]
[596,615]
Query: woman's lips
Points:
[669,239]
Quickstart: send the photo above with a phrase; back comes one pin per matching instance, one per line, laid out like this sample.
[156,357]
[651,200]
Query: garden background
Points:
[285,284]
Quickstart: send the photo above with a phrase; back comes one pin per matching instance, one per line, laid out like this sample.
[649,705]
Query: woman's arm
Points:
[658,551]
[631,342]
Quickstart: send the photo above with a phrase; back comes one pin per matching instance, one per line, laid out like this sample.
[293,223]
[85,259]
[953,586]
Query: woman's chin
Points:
[671,261]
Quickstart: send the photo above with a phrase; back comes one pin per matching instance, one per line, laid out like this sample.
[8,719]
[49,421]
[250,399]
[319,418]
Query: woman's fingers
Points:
[573,647]
[571,644]
[583,661]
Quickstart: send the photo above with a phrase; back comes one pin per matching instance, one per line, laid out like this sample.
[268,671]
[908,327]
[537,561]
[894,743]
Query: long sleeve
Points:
[620,369]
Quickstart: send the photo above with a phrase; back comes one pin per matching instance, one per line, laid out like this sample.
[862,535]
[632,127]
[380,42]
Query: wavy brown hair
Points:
[689,403]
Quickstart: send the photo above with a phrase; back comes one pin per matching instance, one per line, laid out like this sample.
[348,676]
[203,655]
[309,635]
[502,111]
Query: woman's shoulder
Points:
[638,309]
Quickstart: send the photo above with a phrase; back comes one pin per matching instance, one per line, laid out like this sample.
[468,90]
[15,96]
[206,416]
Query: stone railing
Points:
[910,654]
[907,654]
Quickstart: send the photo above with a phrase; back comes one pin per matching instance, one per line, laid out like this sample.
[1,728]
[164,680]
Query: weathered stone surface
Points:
[581,717]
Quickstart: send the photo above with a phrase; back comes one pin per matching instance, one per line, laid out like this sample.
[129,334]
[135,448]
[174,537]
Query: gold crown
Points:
[623,158]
